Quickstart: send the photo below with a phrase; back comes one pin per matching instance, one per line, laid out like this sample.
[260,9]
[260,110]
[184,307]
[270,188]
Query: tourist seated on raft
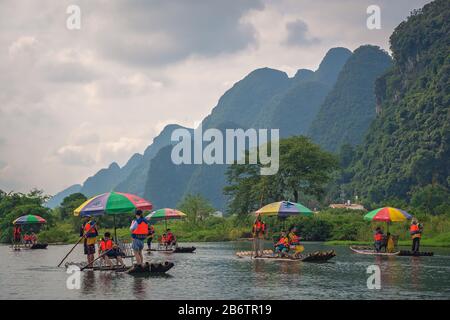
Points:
[34,238]
[162,240]
[282,245]
[294,241]
[390,243]
[171,240]
[378,239]
[112,250]
[27,239]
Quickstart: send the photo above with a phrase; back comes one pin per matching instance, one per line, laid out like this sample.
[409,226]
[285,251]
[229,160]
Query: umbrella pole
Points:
[115,230]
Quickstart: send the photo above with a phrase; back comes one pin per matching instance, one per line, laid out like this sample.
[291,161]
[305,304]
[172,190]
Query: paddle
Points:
[92,263]
[82,237]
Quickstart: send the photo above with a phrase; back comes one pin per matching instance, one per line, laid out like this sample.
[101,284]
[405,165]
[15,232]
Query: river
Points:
[214,272]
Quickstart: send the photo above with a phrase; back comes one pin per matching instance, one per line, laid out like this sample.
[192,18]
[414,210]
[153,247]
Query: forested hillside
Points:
[406,152]
[349,108]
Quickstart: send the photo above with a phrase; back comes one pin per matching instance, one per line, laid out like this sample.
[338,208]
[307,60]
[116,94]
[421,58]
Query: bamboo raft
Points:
[150,268]
[176,250]
[407,253]
[371,251]
[39,246]
[316,256]
[32,247]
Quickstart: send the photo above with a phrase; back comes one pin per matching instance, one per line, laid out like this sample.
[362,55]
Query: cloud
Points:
[75,155]
[72,102]
[23,45]
[298,34]
[157,33]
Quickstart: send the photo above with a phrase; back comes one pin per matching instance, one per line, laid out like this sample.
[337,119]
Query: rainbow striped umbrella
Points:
[29,219]
[284,209]
[112,203]
[387,214]
[165,214]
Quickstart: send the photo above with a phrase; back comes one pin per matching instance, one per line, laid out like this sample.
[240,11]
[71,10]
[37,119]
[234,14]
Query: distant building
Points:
[351,206]
[218,214]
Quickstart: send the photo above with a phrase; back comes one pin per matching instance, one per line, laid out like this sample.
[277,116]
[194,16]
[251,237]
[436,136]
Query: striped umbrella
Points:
[284,209]
[29,219]
[387,214]
[165,214]
[112,203]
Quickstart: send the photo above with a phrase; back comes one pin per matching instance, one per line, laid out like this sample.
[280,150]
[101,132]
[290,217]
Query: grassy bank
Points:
[336,227]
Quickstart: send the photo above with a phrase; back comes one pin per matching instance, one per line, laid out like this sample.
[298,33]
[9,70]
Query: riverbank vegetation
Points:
[336,226]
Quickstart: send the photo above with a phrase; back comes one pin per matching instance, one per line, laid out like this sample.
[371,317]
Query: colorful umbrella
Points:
[284,209]
[29,219]
[112,203]
[165,214]
[387,214]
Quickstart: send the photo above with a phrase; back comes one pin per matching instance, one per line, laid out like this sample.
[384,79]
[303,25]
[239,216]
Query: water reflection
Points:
[88,283]
[214,272]
[105,280]
[139,288]
[416,267]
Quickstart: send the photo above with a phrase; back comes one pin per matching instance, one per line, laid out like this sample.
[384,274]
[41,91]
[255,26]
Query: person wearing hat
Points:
[89,230]
[139,232]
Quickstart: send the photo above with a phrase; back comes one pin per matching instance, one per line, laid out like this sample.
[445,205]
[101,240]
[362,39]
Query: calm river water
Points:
[214,272]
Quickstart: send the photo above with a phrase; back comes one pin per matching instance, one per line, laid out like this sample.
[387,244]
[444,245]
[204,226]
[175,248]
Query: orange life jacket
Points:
[283,241]
[414,230]
[294,239]
[90,230]
[141,230]
[259,226]
[105,245]
[378,236]
[170,237]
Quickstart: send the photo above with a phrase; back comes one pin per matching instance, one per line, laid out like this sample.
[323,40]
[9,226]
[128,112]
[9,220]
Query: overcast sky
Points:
[73,101]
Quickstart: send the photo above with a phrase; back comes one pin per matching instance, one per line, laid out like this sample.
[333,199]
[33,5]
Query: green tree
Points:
[304,170]
[70,203]
[196,208]
[431,199]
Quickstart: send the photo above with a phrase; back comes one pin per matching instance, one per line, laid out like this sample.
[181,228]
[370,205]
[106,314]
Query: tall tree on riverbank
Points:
[196,208]
[304,169]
